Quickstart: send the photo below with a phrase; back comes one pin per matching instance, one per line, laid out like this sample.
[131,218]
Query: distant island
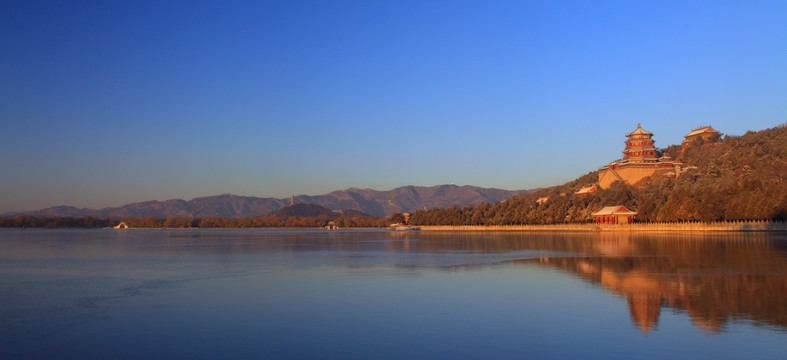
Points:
[709,177]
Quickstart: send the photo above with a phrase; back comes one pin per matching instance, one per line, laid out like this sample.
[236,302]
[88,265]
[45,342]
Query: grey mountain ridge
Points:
[372,202]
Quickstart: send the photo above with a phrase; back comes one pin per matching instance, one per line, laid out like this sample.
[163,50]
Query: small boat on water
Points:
[403,227]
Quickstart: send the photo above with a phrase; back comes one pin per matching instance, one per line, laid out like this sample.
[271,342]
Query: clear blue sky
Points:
[109,102]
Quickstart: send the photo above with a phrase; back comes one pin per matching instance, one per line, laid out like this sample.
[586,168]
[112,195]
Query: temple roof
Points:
[586,190]
[702,130]
[640,131]
[614,210]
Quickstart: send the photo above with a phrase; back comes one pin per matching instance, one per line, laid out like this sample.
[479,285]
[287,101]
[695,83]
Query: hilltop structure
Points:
[640,160]
[705,133]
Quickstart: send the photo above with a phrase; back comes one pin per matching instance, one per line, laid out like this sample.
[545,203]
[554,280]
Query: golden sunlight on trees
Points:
[736,178]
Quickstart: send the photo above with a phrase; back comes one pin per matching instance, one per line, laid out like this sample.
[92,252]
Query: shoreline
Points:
[741,226]
[636,227]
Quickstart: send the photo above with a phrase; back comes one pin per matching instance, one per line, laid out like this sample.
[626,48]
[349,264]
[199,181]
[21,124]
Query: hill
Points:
[734,178]
[304,210]
[312,210]
[365,201]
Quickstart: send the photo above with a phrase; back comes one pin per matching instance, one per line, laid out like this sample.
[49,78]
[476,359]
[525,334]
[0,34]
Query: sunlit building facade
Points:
[640,159]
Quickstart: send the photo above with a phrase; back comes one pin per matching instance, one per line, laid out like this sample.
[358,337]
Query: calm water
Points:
[310,294]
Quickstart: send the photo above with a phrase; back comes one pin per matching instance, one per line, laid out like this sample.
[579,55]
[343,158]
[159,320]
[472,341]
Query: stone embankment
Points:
[769,226]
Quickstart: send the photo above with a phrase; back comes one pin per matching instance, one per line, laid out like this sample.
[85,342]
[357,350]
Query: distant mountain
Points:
[54,211]
[368,201]
[407,198]
[313,210]
[304,210]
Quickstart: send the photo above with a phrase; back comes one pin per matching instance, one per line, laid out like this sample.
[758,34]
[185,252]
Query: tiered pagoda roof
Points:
[640,159]
[639,146]
[639,131]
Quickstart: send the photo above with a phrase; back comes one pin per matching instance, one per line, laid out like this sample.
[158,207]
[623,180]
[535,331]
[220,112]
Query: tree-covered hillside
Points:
[732,178]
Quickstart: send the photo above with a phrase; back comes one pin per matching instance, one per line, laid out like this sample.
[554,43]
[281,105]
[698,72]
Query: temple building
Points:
[617,214]
[640,159]
[586,190]
[706,133]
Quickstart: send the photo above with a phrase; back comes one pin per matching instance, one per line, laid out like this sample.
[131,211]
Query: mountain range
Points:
[372,202]
[314,210]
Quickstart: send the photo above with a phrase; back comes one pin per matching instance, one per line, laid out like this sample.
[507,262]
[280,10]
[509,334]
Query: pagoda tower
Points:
[639,146]
[640,160]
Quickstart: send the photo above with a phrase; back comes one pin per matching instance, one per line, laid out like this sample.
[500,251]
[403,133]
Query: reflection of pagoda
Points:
[651,273]
[645,309]
[643,292]
[640,160]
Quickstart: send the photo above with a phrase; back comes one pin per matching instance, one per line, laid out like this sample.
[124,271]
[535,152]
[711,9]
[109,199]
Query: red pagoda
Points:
[641,159]
[639,146]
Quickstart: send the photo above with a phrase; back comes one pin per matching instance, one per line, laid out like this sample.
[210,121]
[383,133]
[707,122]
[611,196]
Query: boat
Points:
[403,227]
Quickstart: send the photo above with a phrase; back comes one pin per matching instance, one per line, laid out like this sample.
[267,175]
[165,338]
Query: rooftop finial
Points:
[639,124]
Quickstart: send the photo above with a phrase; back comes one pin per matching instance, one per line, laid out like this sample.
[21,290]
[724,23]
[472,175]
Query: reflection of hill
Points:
[713,280]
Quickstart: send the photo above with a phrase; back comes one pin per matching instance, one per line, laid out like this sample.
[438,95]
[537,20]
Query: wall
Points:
[631,174]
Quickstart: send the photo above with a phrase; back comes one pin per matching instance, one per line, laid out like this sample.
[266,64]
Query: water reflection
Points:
[714,279]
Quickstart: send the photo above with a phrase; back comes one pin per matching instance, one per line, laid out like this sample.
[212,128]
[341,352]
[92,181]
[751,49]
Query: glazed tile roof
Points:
[640,131]
[614,210]
[702,130]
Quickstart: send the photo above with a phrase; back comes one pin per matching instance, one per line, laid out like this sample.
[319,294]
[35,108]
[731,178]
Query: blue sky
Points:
[106,103]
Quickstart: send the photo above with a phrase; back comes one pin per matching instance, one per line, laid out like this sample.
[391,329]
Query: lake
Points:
[132,294]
